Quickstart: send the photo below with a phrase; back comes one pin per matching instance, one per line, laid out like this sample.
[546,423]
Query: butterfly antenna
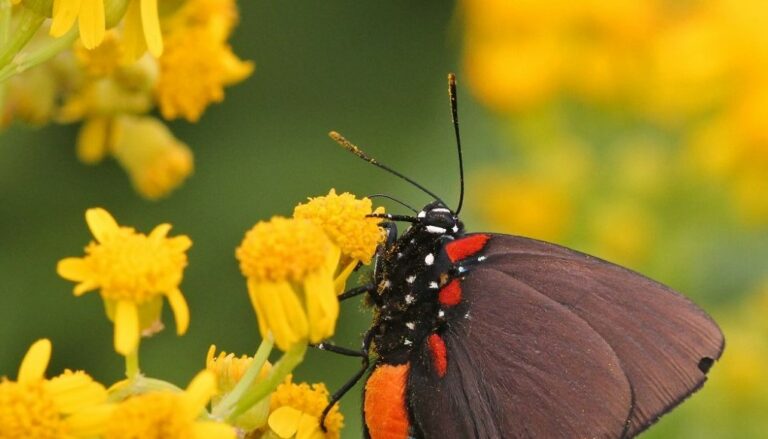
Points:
[389,197]
[346,144]
[455,117]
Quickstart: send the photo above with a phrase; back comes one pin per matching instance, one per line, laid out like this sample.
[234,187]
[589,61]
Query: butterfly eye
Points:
[442,218]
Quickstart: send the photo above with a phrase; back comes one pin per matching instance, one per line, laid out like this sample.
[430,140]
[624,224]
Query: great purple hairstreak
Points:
[490,336]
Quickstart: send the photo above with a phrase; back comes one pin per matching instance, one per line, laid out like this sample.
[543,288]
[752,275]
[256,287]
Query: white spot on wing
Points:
[410,325]
[407,342]
[481,259]
[441,314]
[429,259]
[409,298]
[410,279]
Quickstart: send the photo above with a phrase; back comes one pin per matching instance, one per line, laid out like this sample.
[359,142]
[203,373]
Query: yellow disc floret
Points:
[345,219]
[28,411]
[304,401]
[283,249]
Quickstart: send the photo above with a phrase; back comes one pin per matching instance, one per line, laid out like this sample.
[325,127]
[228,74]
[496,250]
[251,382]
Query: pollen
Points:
[310,400]
[150,416]
[195,67]
[28,410]
[283,249]
[345,219]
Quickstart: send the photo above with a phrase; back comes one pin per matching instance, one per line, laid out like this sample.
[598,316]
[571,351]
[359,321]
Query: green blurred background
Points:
[574,168]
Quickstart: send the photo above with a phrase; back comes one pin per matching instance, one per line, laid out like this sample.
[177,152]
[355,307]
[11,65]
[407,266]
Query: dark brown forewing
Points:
[522,366]
[665,343]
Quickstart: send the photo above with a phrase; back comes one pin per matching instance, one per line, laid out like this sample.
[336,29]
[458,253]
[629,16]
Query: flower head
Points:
[133,272]
[71,405]
[168,415]
[296,411]
[289,265]
[156,161]
[345,220]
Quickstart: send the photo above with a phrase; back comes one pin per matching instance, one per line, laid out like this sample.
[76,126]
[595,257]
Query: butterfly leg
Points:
[368,288]
[363,353]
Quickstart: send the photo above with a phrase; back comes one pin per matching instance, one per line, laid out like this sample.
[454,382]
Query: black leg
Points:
[363,353]
[339,350]
[357,291]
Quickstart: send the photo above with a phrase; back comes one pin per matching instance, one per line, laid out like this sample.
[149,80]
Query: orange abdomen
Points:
[386,413]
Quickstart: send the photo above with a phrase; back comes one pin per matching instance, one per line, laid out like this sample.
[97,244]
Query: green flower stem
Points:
[28,23]
[138,385]
[224,407]
[262,389]
[132,364]
[26,61]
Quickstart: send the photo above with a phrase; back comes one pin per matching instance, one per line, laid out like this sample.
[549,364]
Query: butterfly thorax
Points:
[408,276]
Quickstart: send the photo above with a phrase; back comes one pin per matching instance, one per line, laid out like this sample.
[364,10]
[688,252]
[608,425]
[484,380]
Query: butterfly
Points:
[489,336]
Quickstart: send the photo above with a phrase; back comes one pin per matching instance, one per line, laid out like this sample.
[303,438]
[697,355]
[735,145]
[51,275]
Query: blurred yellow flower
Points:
[289,266]
[142,29]
[194,70]
[155,160]
[69,406]
[526,205]
[344,219]
[89,14]
[296,409]
[169,415]
[622,232]
[133,272]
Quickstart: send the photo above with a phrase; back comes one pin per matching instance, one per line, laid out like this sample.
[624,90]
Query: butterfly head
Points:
[436,218]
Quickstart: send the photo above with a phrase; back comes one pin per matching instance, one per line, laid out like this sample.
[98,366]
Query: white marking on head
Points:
[433,285]
[440,209]
[411,325]
[429,259]
[455,229]
[421,214]
[410,279]
[436,230]
[409,298]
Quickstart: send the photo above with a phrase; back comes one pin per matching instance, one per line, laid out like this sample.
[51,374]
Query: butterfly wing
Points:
[522,366]
[664,343]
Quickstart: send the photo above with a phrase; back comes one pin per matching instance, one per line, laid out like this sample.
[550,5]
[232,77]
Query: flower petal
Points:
[101,223]
[180,310]
[160,232]
[133,34]
[74,269]
[151,25]
[126,327]
[92,139]
[35,361]
[64,15]
[261,313]
[199,392]
[322,306]
[340,283]
[285,421]
[89,422]
[74,391]
[212,430]
[309,428]
[92,23]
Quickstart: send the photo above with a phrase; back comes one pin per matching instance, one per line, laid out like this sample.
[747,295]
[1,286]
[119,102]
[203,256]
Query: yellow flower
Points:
[89,14]
[155,160]
[69,406]
[195,68]
[133,272]
[169,415]
[142,29]
[228,370]
[344,219]
[296,411]
[289,266]
[104,59]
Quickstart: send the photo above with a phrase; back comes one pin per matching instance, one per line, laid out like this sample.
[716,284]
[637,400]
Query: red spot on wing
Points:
[465,247]
[439,354]
[450,295]
[386,413]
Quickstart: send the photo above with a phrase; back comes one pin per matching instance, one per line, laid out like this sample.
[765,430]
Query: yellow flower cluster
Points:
[695,71]
[296,267]
[104,80]
[283,259]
